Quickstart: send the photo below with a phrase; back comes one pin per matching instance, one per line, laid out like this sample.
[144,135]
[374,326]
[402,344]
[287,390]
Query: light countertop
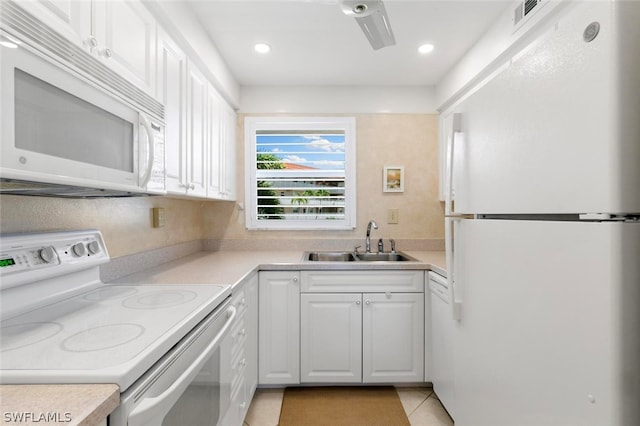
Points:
[230,267]
[90,404]
[58,404]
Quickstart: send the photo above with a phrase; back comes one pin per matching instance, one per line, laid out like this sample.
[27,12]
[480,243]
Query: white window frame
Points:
[252,125]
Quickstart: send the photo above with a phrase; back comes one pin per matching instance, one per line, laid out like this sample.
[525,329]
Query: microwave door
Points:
[59,128]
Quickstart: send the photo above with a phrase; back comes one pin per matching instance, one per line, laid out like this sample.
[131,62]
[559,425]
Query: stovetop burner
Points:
[103,337]
[19,336]
[110,293]
[159,299]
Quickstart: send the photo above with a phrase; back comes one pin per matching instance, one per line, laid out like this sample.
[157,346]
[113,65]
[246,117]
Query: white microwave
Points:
[65,132]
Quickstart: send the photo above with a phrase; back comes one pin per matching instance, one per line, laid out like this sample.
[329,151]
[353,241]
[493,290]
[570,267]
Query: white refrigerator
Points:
[543,229]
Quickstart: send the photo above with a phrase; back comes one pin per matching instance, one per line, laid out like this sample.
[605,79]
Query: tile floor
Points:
[420,404]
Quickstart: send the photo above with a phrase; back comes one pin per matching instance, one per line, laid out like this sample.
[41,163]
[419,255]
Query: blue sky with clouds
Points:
[318,151]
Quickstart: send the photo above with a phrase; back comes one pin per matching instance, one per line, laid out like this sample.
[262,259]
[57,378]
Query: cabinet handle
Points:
[107,53]
[368,302]
[295,279]
[92,41]
[357,302]
[188,186]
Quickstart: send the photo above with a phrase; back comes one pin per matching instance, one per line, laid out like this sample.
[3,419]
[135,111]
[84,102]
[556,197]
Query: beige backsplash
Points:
[126,223]
[408,140]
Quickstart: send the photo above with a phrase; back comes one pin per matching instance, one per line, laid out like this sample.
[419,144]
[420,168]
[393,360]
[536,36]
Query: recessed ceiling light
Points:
[426,48]
[262,48]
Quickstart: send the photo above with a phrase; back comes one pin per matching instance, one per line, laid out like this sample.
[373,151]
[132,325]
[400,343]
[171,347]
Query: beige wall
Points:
[408,140]
[126,223]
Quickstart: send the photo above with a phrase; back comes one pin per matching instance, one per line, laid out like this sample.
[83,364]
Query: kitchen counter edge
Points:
[69,404]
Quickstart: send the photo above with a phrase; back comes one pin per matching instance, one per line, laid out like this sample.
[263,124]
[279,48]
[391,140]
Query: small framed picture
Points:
[393,179]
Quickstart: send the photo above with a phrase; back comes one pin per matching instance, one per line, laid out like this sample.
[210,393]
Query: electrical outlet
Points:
[393,216]
[158,217]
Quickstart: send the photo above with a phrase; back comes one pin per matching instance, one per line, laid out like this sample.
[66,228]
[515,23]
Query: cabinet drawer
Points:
[238,367]
[374,281]
[239,299]
[238,335]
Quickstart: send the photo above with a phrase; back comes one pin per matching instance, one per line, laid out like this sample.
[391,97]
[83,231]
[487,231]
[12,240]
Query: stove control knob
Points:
[79,249]
[93,247]
[47,254]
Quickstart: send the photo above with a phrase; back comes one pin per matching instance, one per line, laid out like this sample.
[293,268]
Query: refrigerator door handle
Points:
[454,297]
[451,217]
[456,120]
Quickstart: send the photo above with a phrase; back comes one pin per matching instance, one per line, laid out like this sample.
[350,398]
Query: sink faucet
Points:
[368,238]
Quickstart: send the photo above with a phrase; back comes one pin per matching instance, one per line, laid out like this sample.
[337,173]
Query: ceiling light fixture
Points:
[262,48]
[426,48]
[372,18]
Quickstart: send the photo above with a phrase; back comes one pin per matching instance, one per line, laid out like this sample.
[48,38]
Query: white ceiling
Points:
[314,43]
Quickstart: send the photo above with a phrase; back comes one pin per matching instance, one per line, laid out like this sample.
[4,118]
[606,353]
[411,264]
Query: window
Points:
[301,172]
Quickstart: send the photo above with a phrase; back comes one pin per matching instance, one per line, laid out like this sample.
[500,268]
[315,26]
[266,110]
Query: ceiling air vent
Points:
[525,9]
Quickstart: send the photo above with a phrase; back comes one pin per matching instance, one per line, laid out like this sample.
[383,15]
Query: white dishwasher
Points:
[442,329]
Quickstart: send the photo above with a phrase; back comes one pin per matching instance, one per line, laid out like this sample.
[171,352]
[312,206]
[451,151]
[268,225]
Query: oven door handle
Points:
[152,410]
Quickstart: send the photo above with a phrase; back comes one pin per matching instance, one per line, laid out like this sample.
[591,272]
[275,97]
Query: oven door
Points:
[189,385]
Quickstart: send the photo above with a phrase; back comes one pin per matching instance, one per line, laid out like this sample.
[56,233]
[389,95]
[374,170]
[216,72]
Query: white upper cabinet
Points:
[197,143]
[200,125]
[70,18]
[222,144]
[171,91]
[121,34]
[124,36]
[214,127]
[228,123]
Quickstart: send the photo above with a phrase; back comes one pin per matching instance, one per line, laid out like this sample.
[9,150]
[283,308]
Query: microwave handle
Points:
[149,409]
[151,154]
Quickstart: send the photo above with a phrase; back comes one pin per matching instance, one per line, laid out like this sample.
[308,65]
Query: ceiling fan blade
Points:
[373,20]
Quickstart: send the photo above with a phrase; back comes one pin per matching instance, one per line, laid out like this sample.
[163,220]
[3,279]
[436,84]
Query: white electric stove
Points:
[61,324]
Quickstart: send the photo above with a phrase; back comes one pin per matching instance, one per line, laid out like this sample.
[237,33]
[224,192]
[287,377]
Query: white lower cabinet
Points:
[331,338]
[393,338]
[279,328]
[243,339]
[368,337]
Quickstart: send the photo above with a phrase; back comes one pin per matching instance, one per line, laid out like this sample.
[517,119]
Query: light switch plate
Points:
[158,217]
[393,216]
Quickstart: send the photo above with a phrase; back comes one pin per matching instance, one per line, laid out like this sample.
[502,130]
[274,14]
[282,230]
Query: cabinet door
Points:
[214,126]
[251,349]
[442,355]
[171,91]
[228,122]
[222,156]
[70,18]
[125,33]
[393,337]
[196,132]
[279,328]
[331,338]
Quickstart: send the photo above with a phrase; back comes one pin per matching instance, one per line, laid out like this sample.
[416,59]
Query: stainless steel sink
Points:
[385,257]
[343,256]
[329,256]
